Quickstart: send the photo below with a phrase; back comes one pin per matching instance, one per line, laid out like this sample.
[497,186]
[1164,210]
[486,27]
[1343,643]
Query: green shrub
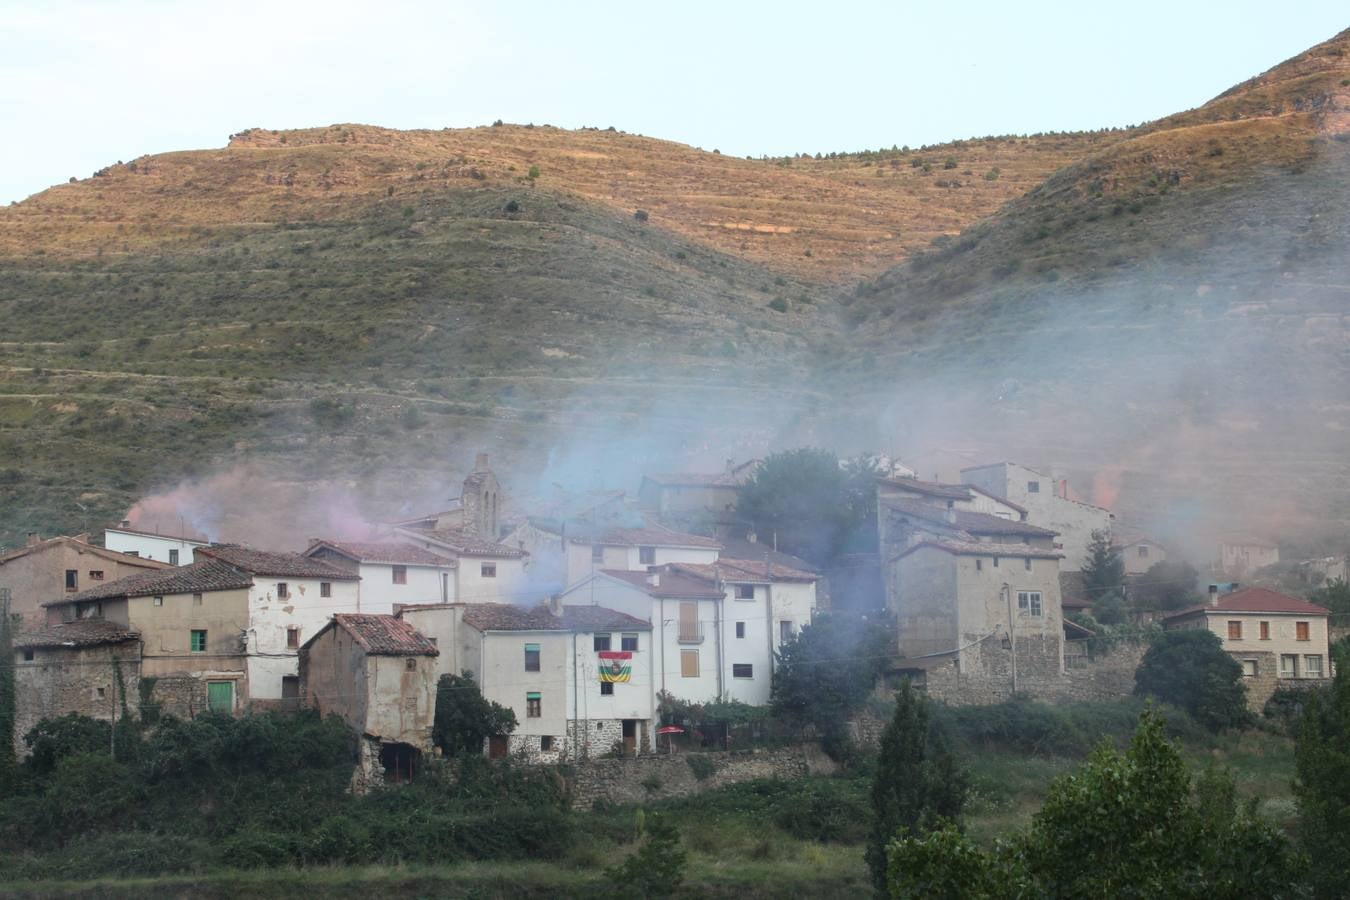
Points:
[702,766]
[1190,669]
[778,304]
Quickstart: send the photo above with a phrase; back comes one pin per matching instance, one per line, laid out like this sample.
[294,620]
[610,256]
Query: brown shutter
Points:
[689,663]
[688,621]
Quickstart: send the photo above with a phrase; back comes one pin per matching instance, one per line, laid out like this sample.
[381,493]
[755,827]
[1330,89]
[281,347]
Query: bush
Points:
[778,304]
[1190,669]
[641,215]
[657,869]
[52,740]
[702,766]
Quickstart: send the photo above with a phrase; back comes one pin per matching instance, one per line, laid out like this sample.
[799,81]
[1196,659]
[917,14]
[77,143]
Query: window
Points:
[647,556]
[1143,552]
[325,588]
[546,743]
[531,657]
[979,564]
[1029,602]
[488,570]
[1312,666]
[1027,563]
[601,642]
[785,631]
[132,552]
[28,654]
[1288,665]
[196,599]
[72,580]
[400,574]
[198,643]
[740,629]
[629,642]
[173,557]
[534,706]
[1235,630]
[1249,668]
[689,663]
[283,590]
[95,574]
[1033,487]
[606,688]
[1301,631]
[995,562]
[101,693]
[410,663]
[745,592]
[158,601]
[742,670]
[597,553]
[293,637]
[1265,631]
[689,630]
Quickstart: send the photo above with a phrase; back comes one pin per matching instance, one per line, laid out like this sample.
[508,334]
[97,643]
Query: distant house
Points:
[379,674]
[392,572]
[563,552]
[1279,640]
[173,547]
[1139,554]
[61,566]
[578,679]
[696,498]
[1241,555]
[1047,503]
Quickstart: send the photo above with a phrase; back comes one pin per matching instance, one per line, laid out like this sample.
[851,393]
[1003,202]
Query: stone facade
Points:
[985,674]
[638,780]
[99,682]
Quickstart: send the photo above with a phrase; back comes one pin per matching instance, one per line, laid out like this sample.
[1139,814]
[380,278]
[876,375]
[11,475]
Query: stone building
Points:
[1280,641]
[696,500]
[379,674]
[42,570]
[1241,555]
[1048,503]
[90,667]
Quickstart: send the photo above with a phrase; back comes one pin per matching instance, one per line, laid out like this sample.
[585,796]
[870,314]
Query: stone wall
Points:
[654,777]
[57,681]
[987,676]
[182,695]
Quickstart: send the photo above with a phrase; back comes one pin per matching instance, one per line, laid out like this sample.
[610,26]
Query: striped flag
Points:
[615,665]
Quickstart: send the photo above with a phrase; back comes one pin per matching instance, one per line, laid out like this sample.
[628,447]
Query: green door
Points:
[220,696]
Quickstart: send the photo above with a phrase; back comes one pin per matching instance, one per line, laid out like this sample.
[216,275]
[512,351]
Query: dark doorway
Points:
[400,762]
[497,746]
[630,737]
[290,693]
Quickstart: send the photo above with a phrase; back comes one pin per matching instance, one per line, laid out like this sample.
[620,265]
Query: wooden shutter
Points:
[688,621]
[689,663]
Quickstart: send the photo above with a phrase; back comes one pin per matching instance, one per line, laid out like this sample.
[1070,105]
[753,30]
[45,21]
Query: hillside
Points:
[1177,303]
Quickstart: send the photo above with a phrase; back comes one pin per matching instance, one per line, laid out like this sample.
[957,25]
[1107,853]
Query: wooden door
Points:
[497,746]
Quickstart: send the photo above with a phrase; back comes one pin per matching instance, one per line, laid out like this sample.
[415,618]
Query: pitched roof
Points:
[1004,500]
[677,581]
[200,577]
[190,538]
[464,542]
[744,548]
[964,519]
[382,635]
[80,633]
[731,477]
[84,547]
[1257,600]
[971,548]
[284,565]
[928,488]
[1247,540]
[396,552]
[744,571]
[504,617]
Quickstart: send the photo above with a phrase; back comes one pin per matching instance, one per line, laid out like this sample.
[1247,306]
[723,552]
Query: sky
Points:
[85,84]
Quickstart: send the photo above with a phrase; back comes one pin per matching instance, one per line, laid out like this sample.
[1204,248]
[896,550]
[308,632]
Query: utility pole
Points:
[1012,640]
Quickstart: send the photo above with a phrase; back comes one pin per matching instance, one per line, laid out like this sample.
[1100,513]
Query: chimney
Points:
[555,605]
[731,466]
[1213,595]
[31,539]
[653,579]
[951,514]
[480,463]
[126,523]
[1064,488]
[752,537]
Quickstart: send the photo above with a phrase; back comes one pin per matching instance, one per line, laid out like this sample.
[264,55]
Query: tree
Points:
[810,504]
[1110,609]
[917,785]
[1190,670]
[657,868]
[1104,572]
[1322,783]
[1126,824]
[1169,584]
[825,674]
[465,718]
[1334,595]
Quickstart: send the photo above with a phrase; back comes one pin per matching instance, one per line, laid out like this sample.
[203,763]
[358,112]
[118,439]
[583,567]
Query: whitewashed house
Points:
[291,598]
[1048,504]
[565,551]
[177,548]
[392,573]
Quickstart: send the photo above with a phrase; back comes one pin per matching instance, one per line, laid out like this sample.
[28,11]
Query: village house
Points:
[1241,555]
[718,626]
[90,667]
[379,674]
[696,500]
[1140,553]
[1280,641]
[173,547]
[1047,502]
[392,573]
[579,679]
[60,566]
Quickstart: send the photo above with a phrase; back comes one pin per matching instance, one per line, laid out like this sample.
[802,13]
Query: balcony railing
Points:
[690,634]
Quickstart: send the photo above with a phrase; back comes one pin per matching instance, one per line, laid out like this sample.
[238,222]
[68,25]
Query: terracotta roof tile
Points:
[80,633]
[1257,600]
[380,635]
[677,581]
[263,562]
[964,519]
[504,617]
[198,578]
[465,543]
[972,548]
[168,536]
[396,552]
[929,488]
[82,546]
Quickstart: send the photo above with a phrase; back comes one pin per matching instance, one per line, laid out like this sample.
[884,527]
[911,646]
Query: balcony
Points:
[690,633]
